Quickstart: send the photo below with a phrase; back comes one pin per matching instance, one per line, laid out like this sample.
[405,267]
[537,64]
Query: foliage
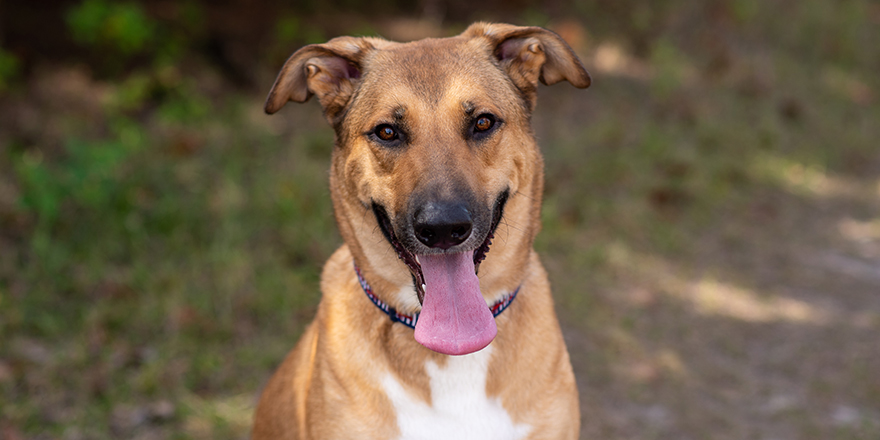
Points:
[9,67]
[122,33]
[123,28]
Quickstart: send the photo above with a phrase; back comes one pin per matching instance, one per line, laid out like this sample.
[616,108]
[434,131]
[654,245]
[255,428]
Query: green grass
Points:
[160,250]
[151,264]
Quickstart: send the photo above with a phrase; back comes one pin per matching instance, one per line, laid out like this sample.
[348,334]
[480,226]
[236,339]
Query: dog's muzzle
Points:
[438,227]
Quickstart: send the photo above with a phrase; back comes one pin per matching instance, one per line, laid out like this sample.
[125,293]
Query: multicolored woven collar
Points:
[410,320]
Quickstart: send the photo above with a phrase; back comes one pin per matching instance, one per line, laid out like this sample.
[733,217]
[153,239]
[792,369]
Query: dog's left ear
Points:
[330,71]
[530,54]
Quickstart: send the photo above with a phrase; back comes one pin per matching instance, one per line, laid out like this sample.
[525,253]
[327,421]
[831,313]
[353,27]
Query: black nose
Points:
[442,225]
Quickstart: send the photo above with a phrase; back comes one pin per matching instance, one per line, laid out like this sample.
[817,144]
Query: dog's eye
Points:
[484,123]
[483,126]
[385,132]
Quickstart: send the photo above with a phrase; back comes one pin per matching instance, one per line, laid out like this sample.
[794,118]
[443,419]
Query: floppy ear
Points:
[530,54]
[330,71]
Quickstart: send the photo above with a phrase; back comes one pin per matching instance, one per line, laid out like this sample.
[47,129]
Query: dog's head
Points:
[434,150]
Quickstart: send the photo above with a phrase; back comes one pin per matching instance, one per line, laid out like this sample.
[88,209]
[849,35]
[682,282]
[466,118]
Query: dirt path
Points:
[759,322]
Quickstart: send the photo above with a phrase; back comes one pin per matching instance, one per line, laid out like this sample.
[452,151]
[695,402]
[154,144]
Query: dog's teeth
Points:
[424,287]
[417,260]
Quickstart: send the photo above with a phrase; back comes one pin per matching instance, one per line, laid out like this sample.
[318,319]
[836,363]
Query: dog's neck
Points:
[410,320]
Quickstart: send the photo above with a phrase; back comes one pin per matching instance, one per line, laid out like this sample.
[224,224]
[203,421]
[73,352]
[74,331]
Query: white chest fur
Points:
[459,406]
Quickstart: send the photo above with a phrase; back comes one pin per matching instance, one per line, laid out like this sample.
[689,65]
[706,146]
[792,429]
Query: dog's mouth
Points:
[454,318]
[412,260]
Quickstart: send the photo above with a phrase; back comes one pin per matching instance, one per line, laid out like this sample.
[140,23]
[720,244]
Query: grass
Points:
[709,227]
[144,255]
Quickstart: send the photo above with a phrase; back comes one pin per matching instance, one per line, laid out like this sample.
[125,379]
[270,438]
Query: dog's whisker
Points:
[510,225]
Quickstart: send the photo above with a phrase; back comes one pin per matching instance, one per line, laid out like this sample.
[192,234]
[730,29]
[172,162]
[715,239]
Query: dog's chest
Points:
[459,407]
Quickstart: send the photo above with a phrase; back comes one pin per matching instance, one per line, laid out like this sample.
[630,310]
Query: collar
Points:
[410,320]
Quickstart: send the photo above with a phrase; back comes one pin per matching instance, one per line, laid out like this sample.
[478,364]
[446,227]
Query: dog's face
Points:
[434,145]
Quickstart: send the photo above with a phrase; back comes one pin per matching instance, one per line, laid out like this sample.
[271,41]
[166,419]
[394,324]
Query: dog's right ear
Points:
[328,70]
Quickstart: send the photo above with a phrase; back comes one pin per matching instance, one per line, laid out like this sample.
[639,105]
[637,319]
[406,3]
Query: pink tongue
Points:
[454,318]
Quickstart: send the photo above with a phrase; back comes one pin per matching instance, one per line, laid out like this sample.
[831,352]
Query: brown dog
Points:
[434,158]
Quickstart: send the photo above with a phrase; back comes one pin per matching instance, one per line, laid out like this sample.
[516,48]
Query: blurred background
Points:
[711,218]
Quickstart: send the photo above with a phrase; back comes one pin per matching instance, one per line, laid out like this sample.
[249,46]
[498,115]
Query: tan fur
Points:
[328,387]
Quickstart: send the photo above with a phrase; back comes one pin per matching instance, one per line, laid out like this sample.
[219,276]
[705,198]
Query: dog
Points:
[436,319]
